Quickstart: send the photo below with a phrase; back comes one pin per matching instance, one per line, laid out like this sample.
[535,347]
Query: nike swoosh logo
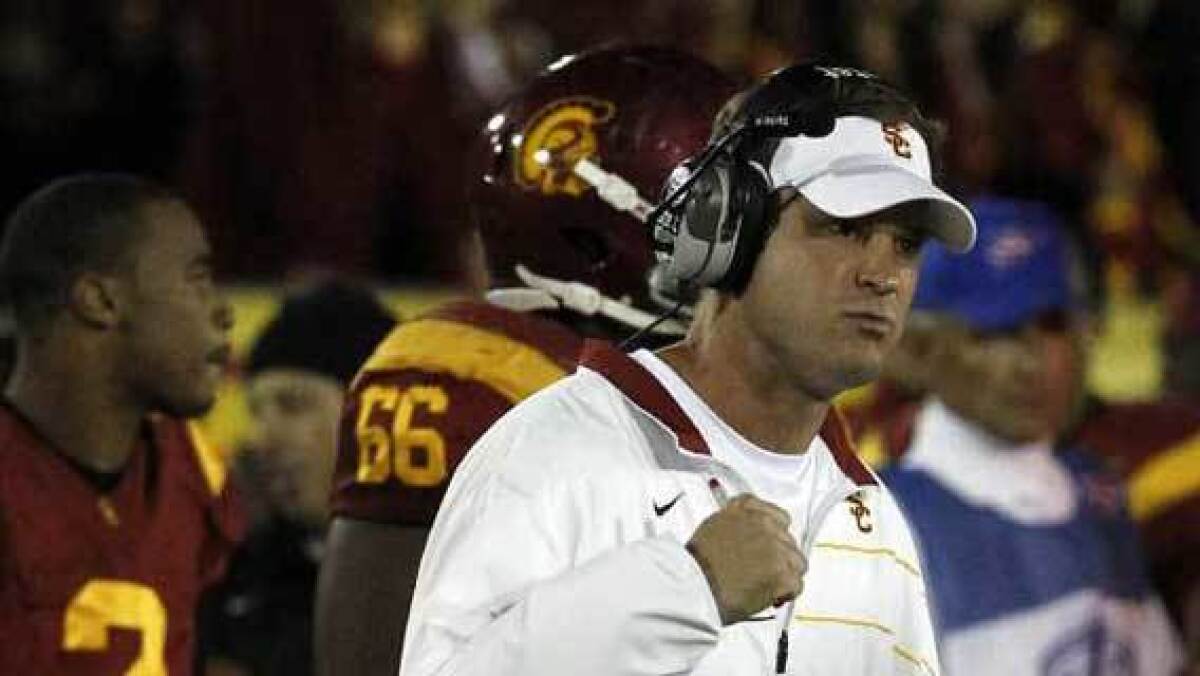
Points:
[659,511]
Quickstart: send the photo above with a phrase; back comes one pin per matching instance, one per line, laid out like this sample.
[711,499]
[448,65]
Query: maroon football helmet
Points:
[633,113]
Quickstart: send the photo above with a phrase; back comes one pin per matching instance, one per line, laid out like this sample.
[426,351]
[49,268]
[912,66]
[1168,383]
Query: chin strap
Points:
[545,293]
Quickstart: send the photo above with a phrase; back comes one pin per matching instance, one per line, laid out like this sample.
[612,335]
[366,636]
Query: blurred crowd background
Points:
[330,134]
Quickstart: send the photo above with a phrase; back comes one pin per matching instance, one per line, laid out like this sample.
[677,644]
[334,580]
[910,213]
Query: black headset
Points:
[719,205]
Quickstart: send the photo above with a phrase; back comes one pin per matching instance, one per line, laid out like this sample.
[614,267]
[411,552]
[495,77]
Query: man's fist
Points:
[749,557]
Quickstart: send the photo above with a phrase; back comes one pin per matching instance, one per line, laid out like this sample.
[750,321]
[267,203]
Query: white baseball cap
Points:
[864,166]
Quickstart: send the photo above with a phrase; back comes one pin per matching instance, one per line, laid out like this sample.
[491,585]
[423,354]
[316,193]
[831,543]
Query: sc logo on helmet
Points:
[558,135]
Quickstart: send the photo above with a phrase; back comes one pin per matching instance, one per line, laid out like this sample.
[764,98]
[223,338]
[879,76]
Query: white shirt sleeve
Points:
[501,593]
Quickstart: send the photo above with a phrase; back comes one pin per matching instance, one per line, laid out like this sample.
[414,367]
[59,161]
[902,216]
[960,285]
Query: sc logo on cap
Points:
[893,135]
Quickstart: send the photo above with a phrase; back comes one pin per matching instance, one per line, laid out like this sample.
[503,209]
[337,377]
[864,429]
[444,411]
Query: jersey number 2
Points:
[387,449]
[101,605]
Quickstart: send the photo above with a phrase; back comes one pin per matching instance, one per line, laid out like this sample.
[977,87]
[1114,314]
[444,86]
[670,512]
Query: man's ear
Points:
[96,300]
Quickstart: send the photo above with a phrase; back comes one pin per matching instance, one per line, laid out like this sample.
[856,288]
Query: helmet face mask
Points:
[634,113]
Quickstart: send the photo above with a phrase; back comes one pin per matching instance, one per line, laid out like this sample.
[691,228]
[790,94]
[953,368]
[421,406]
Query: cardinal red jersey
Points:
[1156,447]
[106,583]
[881,417]
[431,388]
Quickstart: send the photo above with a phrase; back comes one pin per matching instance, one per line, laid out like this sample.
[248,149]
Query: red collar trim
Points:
[644,389]
[837,437]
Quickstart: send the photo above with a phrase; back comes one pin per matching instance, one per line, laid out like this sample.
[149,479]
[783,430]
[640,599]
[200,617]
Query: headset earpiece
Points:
[702,240]
[754,198]
[706,211]
[717,207]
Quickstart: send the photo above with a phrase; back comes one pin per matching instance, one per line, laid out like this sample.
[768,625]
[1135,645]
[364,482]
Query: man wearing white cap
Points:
[700,510]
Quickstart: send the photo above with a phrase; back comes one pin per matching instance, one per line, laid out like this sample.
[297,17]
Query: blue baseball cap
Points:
[1019,269]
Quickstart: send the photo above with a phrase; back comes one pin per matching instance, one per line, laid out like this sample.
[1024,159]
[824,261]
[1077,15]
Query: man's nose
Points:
[880,269]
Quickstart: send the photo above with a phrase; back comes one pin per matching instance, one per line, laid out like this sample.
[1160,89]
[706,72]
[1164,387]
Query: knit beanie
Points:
[328,329]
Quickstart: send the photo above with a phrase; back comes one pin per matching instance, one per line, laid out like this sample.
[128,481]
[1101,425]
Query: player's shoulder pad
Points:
[513,354]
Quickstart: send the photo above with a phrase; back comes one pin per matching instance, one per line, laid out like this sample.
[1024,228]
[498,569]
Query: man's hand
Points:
[749,557]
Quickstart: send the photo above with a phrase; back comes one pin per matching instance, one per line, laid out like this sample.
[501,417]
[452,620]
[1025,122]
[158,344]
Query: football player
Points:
[569,167]
[113,513]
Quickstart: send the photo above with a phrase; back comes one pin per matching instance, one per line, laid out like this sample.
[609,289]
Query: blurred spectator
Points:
[1155,444]
[259,620]
[1032,559]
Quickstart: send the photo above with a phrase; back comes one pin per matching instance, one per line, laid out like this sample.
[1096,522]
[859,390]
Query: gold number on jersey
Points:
[384,452]
[103,604]
[409,439]
[374,441]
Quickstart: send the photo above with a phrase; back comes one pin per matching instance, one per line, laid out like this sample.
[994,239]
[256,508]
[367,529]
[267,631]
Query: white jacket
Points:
[559,550]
